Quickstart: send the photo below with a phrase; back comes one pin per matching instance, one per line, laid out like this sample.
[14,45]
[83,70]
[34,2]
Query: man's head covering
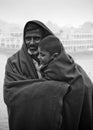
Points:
[34,26]
[37,25]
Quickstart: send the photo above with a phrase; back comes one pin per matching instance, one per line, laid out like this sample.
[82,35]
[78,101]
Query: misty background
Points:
[70,20]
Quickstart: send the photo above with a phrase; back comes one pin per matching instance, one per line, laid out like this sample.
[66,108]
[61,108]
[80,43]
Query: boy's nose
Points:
[38,56]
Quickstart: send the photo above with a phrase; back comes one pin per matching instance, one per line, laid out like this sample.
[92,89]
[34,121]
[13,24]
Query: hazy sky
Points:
[61,12]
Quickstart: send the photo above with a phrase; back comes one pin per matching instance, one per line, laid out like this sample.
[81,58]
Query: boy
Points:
[49,49]
[57,65]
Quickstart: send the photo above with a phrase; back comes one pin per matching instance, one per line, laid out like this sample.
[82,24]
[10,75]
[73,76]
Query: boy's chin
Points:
[43,64]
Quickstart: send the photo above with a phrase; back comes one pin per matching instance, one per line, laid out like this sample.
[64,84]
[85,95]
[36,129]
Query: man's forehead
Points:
[36,32]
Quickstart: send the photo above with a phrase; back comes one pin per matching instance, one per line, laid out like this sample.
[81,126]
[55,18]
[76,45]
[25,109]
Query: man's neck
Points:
[35,57]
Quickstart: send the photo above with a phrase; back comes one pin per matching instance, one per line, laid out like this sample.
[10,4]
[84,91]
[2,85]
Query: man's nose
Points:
[32,41]
[38,56]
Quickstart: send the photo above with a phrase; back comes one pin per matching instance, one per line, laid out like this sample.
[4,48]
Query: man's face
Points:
[43,56]
[32,39]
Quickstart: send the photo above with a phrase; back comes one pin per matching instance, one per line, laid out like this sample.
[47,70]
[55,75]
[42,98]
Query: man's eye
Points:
[37,38]
[28,38]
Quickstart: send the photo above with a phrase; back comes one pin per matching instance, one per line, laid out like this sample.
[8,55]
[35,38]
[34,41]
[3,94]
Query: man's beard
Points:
[35,57]
[32,48]
[33,52]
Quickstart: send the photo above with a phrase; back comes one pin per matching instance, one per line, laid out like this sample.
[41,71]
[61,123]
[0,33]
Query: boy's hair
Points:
[51,44]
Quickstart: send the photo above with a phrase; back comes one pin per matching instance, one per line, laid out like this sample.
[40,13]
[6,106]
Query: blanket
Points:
[63,100]
[35,104]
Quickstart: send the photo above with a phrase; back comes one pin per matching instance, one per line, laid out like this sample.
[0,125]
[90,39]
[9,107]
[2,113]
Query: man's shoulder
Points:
[14,56]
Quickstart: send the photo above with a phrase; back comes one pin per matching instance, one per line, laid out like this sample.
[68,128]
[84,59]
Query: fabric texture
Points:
[31,102]
[63,100]
[77,109]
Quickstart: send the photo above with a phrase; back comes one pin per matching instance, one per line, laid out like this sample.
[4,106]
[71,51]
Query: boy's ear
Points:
[55,55]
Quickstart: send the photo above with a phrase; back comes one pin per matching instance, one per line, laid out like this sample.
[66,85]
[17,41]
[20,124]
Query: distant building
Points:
[73,42]
[77,41]
[11,40]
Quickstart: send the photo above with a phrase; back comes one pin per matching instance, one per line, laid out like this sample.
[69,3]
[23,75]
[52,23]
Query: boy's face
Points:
[44,56]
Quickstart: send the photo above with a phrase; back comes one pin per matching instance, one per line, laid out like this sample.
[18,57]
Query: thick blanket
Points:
[35,104]
[61,101]
[40,104]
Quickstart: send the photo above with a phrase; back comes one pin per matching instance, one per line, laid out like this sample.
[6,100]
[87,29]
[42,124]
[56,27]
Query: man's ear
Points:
[55,55]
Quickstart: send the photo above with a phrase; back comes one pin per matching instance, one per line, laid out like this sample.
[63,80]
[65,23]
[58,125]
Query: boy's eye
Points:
[41,54]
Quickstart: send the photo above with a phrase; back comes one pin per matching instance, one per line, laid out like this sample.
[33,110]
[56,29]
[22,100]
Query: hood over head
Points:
[63,68]
[35,24]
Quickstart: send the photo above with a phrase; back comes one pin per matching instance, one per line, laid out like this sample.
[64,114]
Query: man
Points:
[31,102]
[22,61]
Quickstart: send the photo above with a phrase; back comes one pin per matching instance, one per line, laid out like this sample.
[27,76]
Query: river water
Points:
[84,59]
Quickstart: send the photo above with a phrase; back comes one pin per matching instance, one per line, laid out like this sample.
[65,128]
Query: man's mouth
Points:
[32,48]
